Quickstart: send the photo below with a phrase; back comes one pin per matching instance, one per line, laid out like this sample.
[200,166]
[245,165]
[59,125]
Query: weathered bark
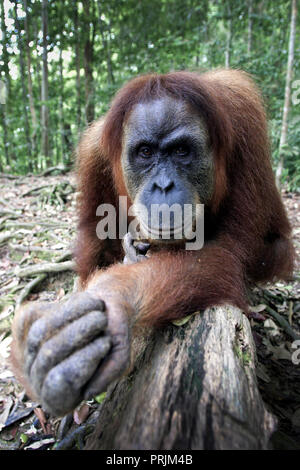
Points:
[191,387]
[287,94]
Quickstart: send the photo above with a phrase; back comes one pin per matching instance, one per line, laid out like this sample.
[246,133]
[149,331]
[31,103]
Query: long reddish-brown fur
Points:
[251,233]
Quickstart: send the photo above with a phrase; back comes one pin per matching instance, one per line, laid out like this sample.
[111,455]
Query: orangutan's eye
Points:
[145,151]
[181,151]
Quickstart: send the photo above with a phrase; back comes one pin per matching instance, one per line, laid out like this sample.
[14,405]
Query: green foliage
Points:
[291,152]
[130,38]
[100,398]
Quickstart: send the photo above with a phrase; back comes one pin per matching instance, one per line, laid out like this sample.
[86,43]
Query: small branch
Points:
[26,248]
[46,268]
[8,212]
[6,236]
[52,187]
[60,168]
[34,224]
[56,238]
[5,219]
[283,323]
[9,177]
[38,188]
[28,288]
[4,202]
[64,256]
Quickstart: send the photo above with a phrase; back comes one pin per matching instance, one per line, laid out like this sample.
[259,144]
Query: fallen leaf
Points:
[271,327]
[60,294]
[183,320]
[8,402]
[7,311]
[5,347]
[257,308]
[17,415]
[43,442]
[6,374]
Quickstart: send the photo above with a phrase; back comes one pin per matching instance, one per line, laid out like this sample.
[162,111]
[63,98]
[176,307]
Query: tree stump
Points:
[191,387]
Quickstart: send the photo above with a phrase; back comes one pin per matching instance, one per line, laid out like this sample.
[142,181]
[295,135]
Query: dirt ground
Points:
[37,227]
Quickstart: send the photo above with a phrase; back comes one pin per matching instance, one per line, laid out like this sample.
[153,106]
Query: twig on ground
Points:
[11,213]
[55,237]
[4,202]
[8,176]
[6,236]
[45,268]
[28,288]
[283,323]
[60,168]
[26,248]
[291,312]
[66,254]
[34,224]
[38,188]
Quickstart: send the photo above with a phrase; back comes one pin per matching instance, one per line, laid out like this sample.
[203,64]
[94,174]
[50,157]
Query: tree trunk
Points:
[191,387]
[37,63]
[250,26]
[109,58]
[5,57]
[78,63]
[24,91]
[229,37]
[44,93]
[5,137]
[110,75]
[287,95]
[61,101]
[5,106]
[88,64]
[30,87]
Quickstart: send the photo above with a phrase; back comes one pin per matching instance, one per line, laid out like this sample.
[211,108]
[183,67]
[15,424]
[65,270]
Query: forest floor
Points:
[37,231]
